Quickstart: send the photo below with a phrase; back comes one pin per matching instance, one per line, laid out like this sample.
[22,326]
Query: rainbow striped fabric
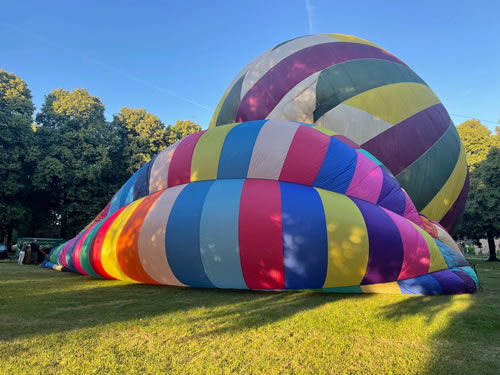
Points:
[360,90]
[267,205]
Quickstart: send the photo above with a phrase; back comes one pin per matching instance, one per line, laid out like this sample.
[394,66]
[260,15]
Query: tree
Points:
[75,172]
[482,215]
[16,114]
[143,136]
[180,130]
[477,141]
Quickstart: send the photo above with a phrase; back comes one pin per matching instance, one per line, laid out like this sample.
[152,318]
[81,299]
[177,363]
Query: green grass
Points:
[52,322]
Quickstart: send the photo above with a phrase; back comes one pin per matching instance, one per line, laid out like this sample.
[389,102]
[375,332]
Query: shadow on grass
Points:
[467,340]
[63,302]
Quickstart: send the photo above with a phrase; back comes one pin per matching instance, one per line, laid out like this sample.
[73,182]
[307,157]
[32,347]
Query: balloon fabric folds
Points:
[360,90]
[268,205]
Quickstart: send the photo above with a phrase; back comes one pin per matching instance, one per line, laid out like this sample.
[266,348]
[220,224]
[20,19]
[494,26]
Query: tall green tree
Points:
[143,135]
[477,141]
[16,161]
[481,217]
[181,129]
[75,169]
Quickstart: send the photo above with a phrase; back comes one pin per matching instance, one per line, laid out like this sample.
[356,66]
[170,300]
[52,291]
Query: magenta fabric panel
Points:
[260,100]
[367,180]
[179,171]
[305,156]
[416,257]
[411,212]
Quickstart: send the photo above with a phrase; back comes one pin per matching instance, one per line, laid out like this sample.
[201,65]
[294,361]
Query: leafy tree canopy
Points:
[477,141]
[143,136]
[180,130]
[16,111]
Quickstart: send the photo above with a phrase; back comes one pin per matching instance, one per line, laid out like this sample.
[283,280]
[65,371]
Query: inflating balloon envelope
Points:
[273,204]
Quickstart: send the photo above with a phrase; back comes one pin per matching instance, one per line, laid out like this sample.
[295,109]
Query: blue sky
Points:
[176,58]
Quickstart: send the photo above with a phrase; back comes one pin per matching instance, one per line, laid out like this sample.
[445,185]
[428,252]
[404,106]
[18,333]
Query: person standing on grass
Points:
[34,251]
[22,253]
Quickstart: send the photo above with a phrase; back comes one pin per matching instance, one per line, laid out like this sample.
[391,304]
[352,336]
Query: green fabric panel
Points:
[343,81]
[423,179]
[84,254]
[344,289]
[227,114]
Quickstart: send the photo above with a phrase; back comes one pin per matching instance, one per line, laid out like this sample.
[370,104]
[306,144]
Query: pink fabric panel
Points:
[367,180]
[411,212]
[179,171]
[305,156]
[416,258]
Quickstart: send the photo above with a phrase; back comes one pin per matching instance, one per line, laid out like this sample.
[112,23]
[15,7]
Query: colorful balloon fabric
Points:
[266,205]
[360,90]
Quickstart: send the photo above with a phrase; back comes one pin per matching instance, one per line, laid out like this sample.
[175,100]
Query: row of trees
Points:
[481,217]
[60,168]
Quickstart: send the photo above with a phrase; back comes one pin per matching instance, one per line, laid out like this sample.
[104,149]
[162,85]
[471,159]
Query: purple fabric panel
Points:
[386,248]
[451,218]
[426,126]
[260,100]
[469,283]
[391,196]
[450,283]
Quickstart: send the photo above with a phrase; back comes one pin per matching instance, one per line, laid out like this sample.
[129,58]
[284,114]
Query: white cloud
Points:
[309,10]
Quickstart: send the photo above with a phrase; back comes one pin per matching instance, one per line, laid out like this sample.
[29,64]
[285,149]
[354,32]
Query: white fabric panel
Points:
[445,238]
[271,149]
[262,64]
[159,171]
[299,103]
[151,242]
[354,123]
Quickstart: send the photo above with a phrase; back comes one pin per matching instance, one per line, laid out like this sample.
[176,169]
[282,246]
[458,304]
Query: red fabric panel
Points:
[96,246]
[179,171]
[261,236]
[305,156]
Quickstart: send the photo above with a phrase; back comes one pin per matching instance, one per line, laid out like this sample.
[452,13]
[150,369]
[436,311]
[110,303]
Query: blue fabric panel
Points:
[58,254]
[141,186]
[69,259]
[391,195]
[338,167]
[219,244]
[182,237]
[305,243]
[237,150]
[448,257]
[125,195]
[424,284]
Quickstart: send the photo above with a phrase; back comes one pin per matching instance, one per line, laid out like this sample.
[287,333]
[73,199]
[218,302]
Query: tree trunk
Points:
[10,229]
[491,247]
[2,235]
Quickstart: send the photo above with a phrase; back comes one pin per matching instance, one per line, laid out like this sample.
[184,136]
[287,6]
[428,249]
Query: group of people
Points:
[31,252]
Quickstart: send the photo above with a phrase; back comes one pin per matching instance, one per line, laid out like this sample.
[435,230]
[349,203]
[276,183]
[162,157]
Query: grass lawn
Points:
[52,322]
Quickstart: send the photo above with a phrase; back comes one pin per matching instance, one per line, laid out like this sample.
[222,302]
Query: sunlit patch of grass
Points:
[53,322]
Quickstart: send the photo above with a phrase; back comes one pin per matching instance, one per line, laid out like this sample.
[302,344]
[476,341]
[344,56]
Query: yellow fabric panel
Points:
[108,252]
[213,120]
[437,261]
[395,102]
[347,240]
[353,39]
[385,288]
[325,130]
[207,153]
[444,199]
